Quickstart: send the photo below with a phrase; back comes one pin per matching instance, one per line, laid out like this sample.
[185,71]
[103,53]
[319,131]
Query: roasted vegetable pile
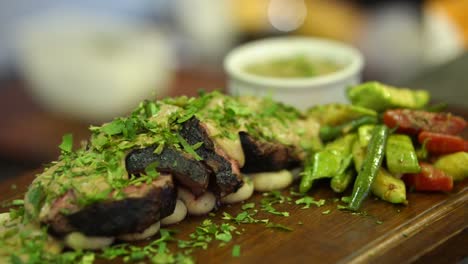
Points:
[393,143]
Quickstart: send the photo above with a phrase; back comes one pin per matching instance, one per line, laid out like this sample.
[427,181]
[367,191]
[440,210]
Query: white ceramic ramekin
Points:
[299,92]
[92,67]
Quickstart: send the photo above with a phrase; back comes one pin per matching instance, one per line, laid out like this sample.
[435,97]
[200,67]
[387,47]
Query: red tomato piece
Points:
[442,144]
[429,179]
[414,121]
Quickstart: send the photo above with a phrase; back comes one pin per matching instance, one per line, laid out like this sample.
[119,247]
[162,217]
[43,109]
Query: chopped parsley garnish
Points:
[248,206]
[206,233]
[270,209]
[151,109]
[67,143]
[34,197]
[346,199]
[17,202]
[114,128]
[16,213]
[189,149]
[244,218]
[197,145]
[151,171]
[341,207]
[156,251]
[236,251]
[272,198]
[308,201]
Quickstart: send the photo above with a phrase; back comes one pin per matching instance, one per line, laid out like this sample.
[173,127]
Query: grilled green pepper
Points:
[340,182]
[389,188]
[328,133]
[386,186]
[344,176]
[342,144]
[400,155]
[365,134]
[379,97]
[329,162]
[336,114]
[359,153]
[324,164]
[455,165]
[370,167]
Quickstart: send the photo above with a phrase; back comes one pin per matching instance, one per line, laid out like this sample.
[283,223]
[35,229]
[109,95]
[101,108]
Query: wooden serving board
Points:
[433,228]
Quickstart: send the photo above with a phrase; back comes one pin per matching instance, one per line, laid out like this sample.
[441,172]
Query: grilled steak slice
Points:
[143,206]
[262,156]
[226,171]
[187,171]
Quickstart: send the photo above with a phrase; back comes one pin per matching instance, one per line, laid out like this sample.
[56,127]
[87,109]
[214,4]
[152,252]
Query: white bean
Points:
[77,241]
[244,192]
[197,206]
[148,232]
[178,215]
[270,181]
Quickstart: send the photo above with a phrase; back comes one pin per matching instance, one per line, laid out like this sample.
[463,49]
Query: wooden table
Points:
[432,228]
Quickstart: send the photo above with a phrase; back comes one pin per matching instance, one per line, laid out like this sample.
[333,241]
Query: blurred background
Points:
[67,64]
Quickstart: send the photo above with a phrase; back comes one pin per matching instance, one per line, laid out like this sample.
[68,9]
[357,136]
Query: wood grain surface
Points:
[388,234]
[432,228]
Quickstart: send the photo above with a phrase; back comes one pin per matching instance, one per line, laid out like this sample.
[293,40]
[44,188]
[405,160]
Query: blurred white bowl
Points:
[92,67]
[299,92]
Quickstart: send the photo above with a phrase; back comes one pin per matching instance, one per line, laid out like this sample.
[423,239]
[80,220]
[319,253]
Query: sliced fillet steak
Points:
[187,171]
[227,178]
[263,156]
[143,206]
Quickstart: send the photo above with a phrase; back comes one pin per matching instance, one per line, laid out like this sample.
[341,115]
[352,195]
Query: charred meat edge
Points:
[263,156]
[145,205]
[227,178]
[187,171]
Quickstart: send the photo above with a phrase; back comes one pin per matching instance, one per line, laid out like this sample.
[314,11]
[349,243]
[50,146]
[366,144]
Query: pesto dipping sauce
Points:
[298,66]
